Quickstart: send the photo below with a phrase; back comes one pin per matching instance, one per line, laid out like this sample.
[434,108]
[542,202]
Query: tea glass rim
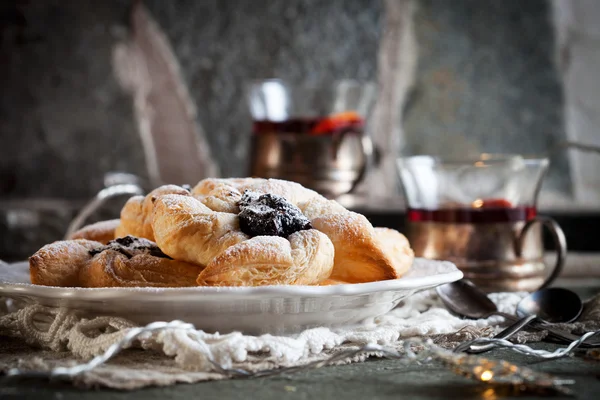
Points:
[480,160]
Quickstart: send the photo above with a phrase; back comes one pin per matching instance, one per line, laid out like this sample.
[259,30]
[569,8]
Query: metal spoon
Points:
[551,305]
[465,299]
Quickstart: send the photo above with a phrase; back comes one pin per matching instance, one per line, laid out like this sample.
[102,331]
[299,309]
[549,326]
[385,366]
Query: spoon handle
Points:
[516,327]
[557,334]
[520,324]
[507,333]
[563,336]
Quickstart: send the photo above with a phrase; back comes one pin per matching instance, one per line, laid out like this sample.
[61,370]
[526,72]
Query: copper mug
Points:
[481,214]
[311,135]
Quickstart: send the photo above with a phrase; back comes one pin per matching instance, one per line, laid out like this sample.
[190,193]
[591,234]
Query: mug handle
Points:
[368,149]
[117,186]
[560,244]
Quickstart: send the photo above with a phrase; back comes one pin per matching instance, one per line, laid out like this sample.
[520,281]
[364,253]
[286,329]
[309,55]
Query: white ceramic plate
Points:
[252,310]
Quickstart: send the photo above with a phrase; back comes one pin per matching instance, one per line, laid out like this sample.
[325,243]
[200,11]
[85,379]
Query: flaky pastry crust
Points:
[187,230]
[397,248]
[362,253]
[136,214]
[304,258]
[331,282]
[199,242]
[86,263]
[103,231]
[223,194]
[59,263]
[112,268]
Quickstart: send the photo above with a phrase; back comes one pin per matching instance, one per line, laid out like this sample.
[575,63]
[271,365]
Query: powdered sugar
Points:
[130,246]
[291,191]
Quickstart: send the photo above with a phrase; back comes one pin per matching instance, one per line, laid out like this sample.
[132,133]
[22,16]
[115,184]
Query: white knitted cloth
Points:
[173,355]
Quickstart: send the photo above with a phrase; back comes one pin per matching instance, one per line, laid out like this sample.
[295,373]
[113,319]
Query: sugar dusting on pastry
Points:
[304,258]
[293,192]
[187,230]
[229,232]
[103,231]
[130,246]
[58,263]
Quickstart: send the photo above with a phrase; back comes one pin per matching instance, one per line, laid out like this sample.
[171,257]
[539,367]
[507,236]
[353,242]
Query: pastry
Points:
[268,242]
[362,253]
[122,262]
[134,262]
[222,198]
[226,232]
[397,248]
[59,263]
[331,282]
[136,214]
[303,258]
[206,186]
[225,193]
[103,231]
[293,192]
[187,230]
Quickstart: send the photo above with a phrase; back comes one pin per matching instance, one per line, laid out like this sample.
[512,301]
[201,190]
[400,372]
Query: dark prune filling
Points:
[269,215]
[128,245]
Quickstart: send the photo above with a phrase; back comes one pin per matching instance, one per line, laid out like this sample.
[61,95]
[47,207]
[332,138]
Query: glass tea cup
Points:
[481,214]
[313,135]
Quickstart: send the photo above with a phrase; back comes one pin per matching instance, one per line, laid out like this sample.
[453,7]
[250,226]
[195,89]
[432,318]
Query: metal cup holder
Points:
[116,184]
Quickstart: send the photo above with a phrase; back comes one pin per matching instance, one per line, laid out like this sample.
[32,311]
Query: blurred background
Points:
[156,89]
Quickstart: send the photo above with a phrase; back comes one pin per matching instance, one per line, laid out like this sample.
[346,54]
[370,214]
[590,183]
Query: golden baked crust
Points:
[331,282]
[103,231]
[132,262]
[136,214]
[358,256]
[59,263]
[140,264]
[223,194]
[291,191]
[304,258]
[187,230]
[206,186]
[199,242]
[221,198]
[397,248]
[362,253]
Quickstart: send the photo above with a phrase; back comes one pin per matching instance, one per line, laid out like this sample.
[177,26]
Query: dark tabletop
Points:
[377,379]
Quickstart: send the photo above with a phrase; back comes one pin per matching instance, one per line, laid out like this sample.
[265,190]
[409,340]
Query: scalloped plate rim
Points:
[449,273]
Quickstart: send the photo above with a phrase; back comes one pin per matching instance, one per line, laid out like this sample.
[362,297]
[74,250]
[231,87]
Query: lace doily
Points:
[59,338]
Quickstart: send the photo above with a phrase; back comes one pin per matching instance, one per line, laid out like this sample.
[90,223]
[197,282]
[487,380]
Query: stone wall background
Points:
[64,121]
[487,83]
[578,57]
[486,80]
